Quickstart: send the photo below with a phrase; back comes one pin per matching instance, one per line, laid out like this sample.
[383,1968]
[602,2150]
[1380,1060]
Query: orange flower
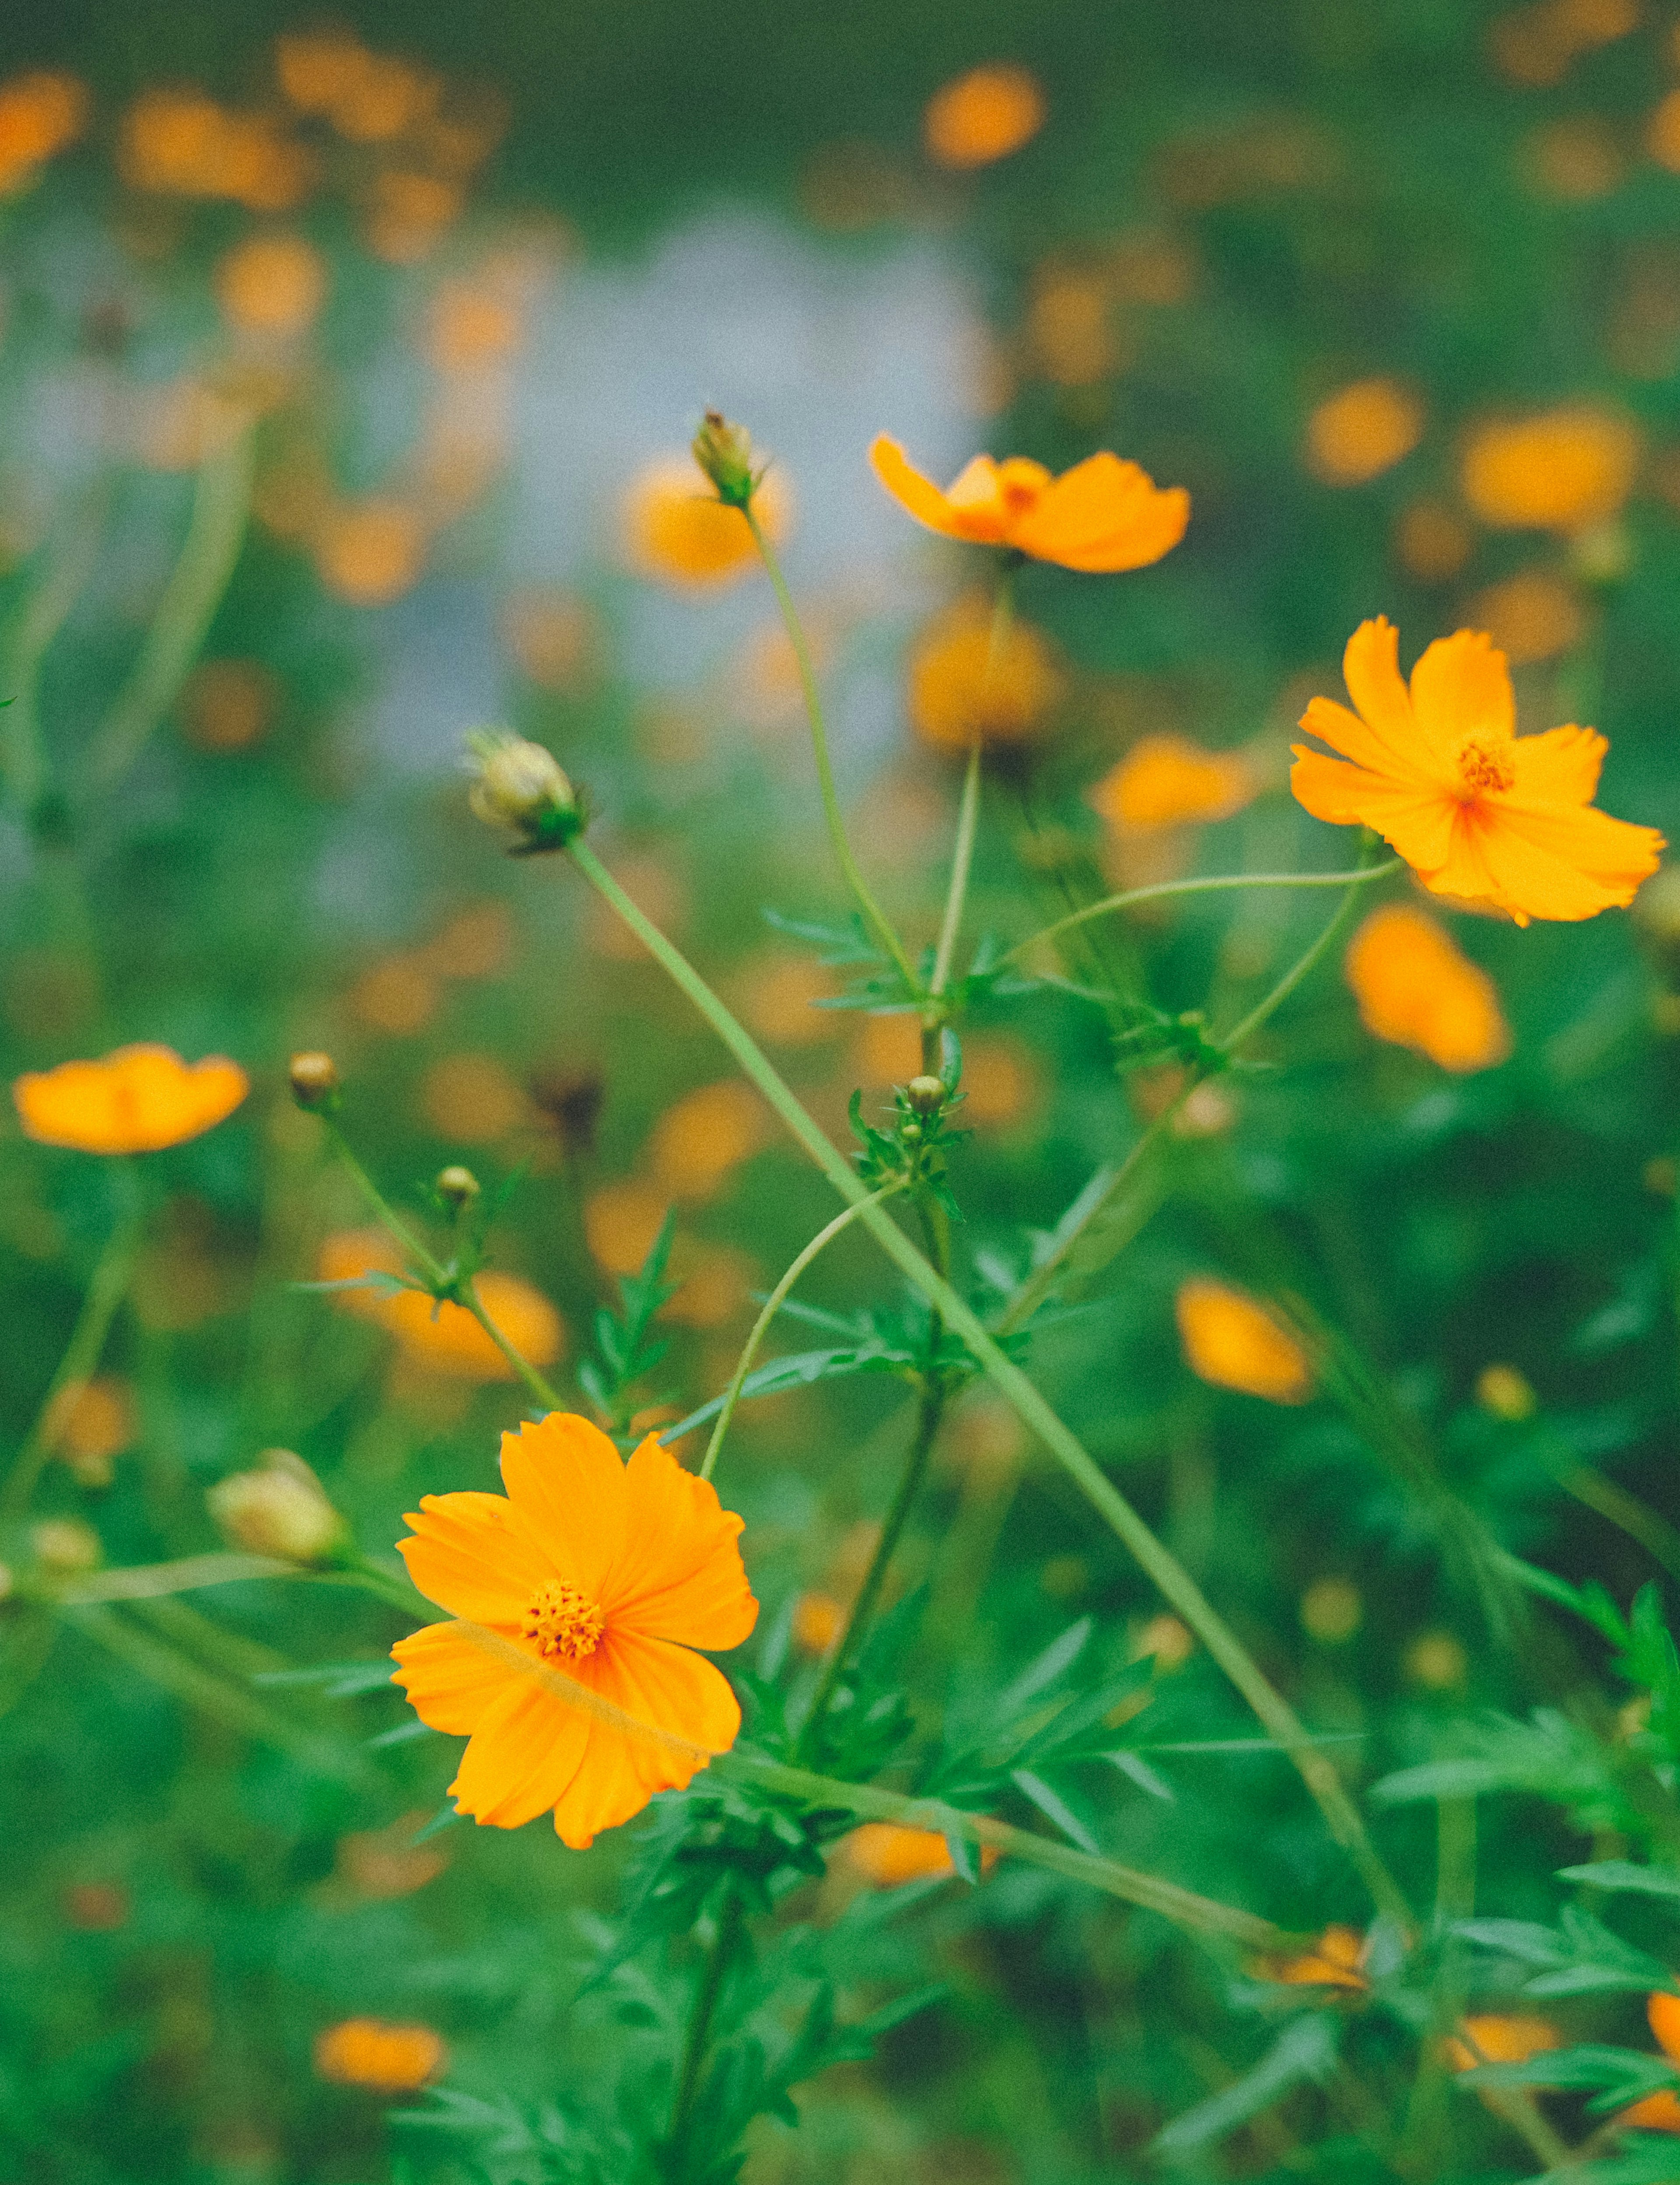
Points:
[1501,2041]
[135,1100]
[818,1619]
[1362,430]
[887,1856]
[1334,1962]
[677,531]
[1168,781]
[606,1573]
[445,1338]
[1234,1342]
[1660,2112]
[1415,987]
[40,114]
[271,284]
[1560,471]
[983,116]
[961,686]
[389,2059]
[1441,774]
[1103,514]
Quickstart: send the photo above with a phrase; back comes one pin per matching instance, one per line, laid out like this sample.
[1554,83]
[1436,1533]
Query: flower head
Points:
[280,1509]
[677,530]
[1363,430]
[983,115]
[1234,1342]
[606,1573]
[1479,812]
[444,1338]
[136,1100]
[964,686]
[1560,471]
[388,2059]
[1333,1961]
[1168,781]
[1415,987]
[1660,2112]
[1103,514]
[1500,2039]
[521,784]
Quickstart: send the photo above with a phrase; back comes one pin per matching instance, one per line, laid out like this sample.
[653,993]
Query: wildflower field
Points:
[838,1201]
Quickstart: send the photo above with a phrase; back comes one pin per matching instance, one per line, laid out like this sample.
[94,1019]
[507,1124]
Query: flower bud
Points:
[65,1545]
[278,1509]
[1505,1392]
[314,1078]
[724,452]
[521,786]
[457,1186]
[926,1095]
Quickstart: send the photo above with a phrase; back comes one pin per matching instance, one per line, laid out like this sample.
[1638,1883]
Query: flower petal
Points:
[919,494]
[1560,766]
[1370,668]
[659,1684]
[469,1554]
[566,1480]
[522,1758]
[1104,514]
[451,1682]
[1346,733]
[1461,688]
[680,1576]
[1568,864]
[1417,821]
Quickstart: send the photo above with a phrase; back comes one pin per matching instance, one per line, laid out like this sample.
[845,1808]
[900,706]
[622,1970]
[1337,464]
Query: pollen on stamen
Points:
[563,1621]
[1483,768]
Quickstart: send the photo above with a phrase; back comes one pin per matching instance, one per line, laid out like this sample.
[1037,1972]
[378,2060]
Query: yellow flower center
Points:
[563,1621]
[1485,767]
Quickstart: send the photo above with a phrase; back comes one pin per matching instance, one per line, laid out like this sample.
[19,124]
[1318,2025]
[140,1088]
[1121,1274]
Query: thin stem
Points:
[1262,1010]
[1173,1581]
[773,1306]
[875,917]
[962,857]
[106,1291]
[1214,884]
[1611,1501]
[40,617]
[538,1384]
[730,1920]
[221,508]
[929,1414]
[381,1209]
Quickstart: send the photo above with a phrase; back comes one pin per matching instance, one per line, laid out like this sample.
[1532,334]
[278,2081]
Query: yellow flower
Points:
[1234,1342]
[271,284]
[445,1338]
[1560,471]
[818,1619]
[1501,2040]
[136,1100]
[371,552]
[388,2059]
[1168,782]
[1414,987]
[1362,430]
[40,114]
[676,530]
[1333,1962]
[1660,2112]
[1104,514]
[961,686]
[983,116]
[706,1134]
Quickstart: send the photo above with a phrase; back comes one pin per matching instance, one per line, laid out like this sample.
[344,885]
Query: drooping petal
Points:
[1416,821]
[680,1576]
[468,1553]
[1461,690]
[1464,873]
[451,1684]
[661,1685]
[522,1758]
[913,492]
[1104,514]
[566,1480]
[1560,766]
[1370,668]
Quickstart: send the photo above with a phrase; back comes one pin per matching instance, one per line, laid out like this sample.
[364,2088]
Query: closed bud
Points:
[457,1186]
[520,784]
[724,452]
[66,1545]
[926,1095]
[277,1509]
[314,1078]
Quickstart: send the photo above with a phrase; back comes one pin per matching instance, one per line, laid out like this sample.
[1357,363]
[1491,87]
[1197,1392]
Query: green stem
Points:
[875,917]
[730,1921]
[1214,884]
[221,505]
[1263,1011]
[962,857]
[773,1306]
[381,1209]
[538,1384]
[112,1275]
[42,615]
[929,1414]
[1173,1581]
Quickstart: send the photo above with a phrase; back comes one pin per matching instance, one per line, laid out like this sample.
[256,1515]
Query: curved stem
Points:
[1213,884]
[730,1920]
[106,1291]
[1241,1033]
[1168,1575]
[38,620]
[961,857]
[875,917]
[381,1207]
[773,1306]
[538,1384]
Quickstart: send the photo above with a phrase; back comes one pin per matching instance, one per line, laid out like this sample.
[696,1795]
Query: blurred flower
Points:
[271,284]
[1003,1082]
[1660,2111]
[1432,542]
[1414,987]
[1168,782]
[1362,430]
[476,943]
[1069,327]
[443,1337]
[888,1855]
[675,531]
[701,1137]
[228,705]
[1662,132]
[520,784]
[1441,774]
[1165,1640]
[1559,471]
[40,114]
[1103,514]
[397,995]
[367,96]
[471,327]
[381,1863]
[472,1098]
[781,998]
[555,637]
[1536,45]
[1233,1342]
[1251,158]
[1574,160]
[1332,1611]
[818,1619]
[1437,1661]
[1333,1962]
[887,1048]
[609,1574]
[713,1283]
[386,2058]
[1530,617]
[961,685]
[621,1221]
[1500,2040]
[65,1546]
[278,1508]
[407,214]
[90,1423]
[983,115]
[371,552]
[181,143]
[135,1100]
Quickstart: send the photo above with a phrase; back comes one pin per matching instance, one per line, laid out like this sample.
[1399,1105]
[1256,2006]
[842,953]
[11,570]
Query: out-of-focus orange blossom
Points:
[384,2058]
[675,531]
[888,1855]
[407,213]
[1574,160]
[1660,2111]
[850,186]
[378,1865]
[398,995]
[137,1099]
[1252,159]
[1363,430]
[1561,470]
[1416,987]
[1232,1341]
[1500,2039]
[887,1048]
[471,327]
[1333,1962]
[1003,1082]
[368,97]
[818,1619]
[983,116]
[472,1099]
[371,552]
[555,636]
[89,1424]
[41,112]
[1662,132]
[780,992]
[1431,542]
[228,705]
[1531,616]
[444,1338]
[181,143]
[714,1283]
[621,1221]
[271,284]
[476,943]
[1168,782]
[705,1134]
[1070,329]
[1104,515]
[961,686]
[984,1441]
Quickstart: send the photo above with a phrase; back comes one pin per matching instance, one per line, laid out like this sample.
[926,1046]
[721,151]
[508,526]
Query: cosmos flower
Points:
[1103,514]
[1440,772]
[136,1100]
[386,2058]
[1234,1342]
[1333,1962]
[444,1338]
[1660,2112]
[606,1573]
[1168,782]
[1416,986]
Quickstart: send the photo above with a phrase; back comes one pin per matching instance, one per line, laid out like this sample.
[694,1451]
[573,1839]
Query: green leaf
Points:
[1620,1873]
[1305,2050]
